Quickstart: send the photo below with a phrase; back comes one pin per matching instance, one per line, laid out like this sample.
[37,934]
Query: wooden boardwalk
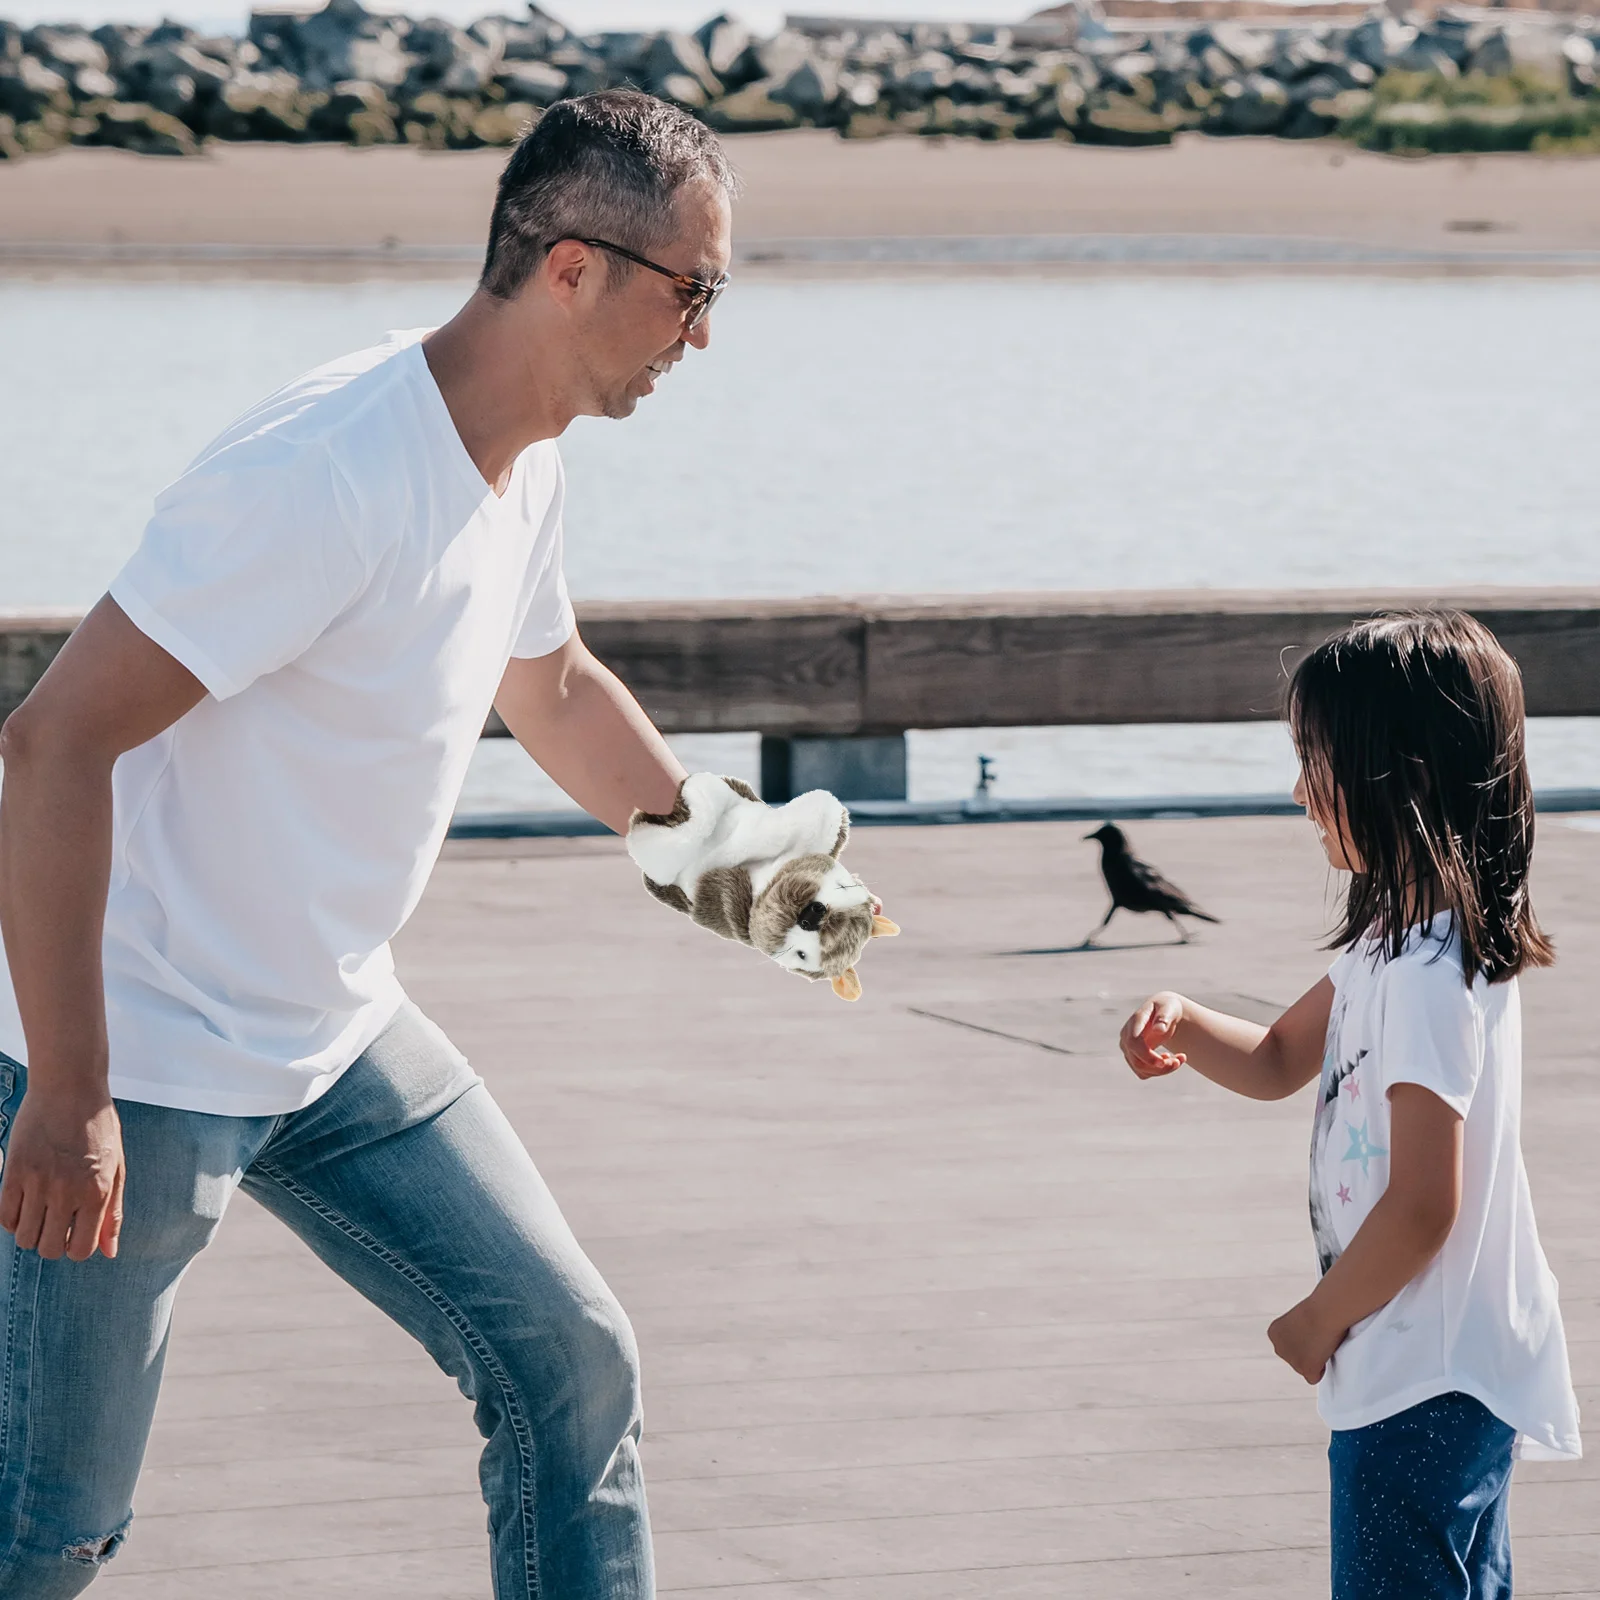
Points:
[927,1312]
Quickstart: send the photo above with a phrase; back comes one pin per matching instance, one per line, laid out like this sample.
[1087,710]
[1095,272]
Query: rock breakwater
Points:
[1459,80]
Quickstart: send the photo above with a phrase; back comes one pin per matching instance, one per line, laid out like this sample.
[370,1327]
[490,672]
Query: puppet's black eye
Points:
[811,918]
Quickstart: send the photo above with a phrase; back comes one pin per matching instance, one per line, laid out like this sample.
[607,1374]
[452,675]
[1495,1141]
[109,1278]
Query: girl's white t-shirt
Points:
[338,575]
[1483,1317]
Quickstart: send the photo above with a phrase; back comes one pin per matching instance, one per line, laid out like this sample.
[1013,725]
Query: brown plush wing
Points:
[740,787]
[669,894]
[722,901]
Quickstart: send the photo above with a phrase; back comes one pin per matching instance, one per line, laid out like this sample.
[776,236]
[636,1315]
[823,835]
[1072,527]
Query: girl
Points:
[1434,1335]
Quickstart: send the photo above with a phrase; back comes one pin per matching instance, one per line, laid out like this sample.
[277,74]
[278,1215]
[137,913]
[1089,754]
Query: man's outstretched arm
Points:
[575,718]
[109,689]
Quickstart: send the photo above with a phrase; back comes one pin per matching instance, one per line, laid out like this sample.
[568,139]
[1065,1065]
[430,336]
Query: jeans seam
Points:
[8,1410]
[521,1430]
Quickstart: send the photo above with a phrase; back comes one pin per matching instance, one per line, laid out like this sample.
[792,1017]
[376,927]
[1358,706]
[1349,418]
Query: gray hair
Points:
[605,166]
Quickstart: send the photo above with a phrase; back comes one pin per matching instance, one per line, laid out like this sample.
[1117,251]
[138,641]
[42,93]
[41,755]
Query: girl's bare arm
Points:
[1169,1031]
[1403,1232]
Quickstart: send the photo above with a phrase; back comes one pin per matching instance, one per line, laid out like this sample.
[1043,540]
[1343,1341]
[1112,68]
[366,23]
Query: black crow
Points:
[1136,886]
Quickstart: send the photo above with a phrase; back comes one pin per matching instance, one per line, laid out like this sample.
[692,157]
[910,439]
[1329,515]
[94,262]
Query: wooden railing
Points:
[867,666]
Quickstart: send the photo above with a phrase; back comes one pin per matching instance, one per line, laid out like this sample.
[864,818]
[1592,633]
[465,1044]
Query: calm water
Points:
[938,435]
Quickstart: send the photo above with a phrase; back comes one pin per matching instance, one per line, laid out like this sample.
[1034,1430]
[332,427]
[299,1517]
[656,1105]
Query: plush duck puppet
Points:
[768,876]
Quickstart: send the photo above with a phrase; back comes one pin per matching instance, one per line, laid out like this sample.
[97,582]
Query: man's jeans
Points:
[407,1180]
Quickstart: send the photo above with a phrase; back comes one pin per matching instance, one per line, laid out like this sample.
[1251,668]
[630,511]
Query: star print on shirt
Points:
[1344,1195]
[1354,1086]
[1361,1149]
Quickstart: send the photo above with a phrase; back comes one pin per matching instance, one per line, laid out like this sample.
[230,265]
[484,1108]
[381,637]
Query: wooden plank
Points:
[28,644]
[882,664]
[1187,656]
[737,666]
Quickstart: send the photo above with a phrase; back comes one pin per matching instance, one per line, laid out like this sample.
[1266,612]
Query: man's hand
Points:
[1147,1035]
[1305,1338]
[61,1193]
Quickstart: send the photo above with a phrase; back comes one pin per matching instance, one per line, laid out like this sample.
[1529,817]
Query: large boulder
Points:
[125,125]
[778,56]
[447,60]
[28,88]
[752,109]
[1251,48]
[1131,74]
[262,105]
[89,84]
[520,39]
[859,92]
[729,50]
[1581,56]
[1120,119]
[1456,35]
[355,112]
[675,67]
[1378,40]
[972,84]
[1065,106]
[51,131]
[945,118]
[586,69]
[812,89]
[437,121]
[345,41]
[1319,105]
[119,40]
[174,77]
[1300,54]
[922,77]
[1427,54]
[534,83]
[1253,104]
[66,48]
[10,46]
[504,122]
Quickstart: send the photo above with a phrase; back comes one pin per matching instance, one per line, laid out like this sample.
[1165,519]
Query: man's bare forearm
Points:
[55,865]
[576,718]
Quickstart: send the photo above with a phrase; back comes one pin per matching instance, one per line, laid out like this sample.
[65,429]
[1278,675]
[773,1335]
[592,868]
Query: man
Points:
[224,798]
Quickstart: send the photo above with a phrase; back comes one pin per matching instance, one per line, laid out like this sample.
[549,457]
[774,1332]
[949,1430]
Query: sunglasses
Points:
[702,295]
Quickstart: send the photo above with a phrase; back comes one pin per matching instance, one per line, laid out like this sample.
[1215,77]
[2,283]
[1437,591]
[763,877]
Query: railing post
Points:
[858,768]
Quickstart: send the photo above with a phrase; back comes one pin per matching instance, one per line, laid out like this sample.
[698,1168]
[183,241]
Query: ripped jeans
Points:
[408,1181]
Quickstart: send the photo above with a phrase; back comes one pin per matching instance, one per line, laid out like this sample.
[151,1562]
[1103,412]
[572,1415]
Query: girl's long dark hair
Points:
[1410,730]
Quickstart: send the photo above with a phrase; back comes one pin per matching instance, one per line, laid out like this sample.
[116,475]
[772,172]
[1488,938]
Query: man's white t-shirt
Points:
[1483,1317]
[337,573]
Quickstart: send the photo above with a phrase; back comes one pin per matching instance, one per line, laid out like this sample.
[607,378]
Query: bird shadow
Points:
[1099,949]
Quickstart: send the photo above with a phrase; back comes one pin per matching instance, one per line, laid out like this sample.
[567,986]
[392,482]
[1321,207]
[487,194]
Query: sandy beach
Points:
[254,200]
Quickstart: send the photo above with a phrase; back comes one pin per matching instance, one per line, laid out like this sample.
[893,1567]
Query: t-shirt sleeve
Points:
[241,568]
[1432,1030]
[1339,972]
[549,621]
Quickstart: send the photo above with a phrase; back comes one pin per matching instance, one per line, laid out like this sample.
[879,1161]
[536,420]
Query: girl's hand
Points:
[1147,1034]
[1303,1338]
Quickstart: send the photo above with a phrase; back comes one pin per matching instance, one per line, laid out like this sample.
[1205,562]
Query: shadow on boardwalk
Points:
[926,1311]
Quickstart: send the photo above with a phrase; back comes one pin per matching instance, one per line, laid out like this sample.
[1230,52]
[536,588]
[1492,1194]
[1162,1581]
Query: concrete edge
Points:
[932,813]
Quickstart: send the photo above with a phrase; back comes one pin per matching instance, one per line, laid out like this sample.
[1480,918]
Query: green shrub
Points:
[1423,113]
